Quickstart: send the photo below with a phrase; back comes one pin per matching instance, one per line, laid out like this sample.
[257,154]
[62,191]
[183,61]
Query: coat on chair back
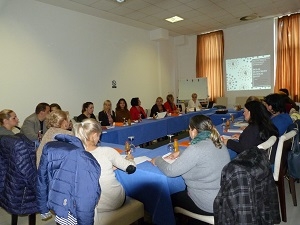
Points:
[17,175]
[68,180]
[248,194]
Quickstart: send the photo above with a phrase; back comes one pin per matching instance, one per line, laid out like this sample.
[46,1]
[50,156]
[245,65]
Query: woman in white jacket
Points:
[112,192]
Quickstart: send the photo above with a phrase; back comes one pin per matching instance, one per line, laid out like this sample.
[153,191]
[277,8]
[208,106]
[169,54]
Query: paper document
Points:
[170,161]
[226,136]
[141,159]
[240,124]
[235,131]
[161,115]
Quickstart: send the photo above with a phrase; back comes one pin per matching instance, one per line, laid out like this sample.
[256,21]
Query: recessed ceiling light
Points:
[120,1]
[174,19]
[249,17]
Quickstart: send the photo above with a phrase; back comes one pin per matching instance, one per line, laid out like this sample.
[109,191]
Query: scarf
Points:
[201,136]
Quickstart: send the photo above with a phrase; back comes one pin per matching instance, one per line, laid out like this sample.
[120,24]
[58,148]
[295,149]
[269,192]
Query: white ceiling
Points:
[199,15]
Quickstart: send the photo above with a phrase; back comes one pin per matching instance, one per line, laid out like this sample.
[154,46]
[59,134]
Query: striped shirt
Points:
[71,220]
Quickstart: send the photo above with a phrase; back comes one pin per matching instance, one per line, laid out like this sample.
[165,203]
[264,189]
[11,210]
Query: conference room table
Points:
[150,129]
[150,186]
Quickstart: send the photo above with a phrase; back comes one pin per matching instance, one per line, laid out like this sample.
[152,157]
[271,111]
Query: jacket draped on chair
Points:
[248,193]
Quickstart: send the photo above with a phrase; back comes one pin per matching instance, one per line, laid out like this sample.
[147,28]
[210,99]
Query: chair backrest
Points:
[268,143]
[284,145]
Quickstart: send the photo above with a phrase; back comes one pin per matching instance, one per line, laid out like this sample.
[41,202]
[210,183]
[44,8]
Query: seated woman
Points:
[8,120]
[86,112]
[275,104]
[57,122]
[107,116]
[136,111]
[194,104]
[200,166]
[122,111]
[170,105]
[157,107]
[260,128]
[112,193]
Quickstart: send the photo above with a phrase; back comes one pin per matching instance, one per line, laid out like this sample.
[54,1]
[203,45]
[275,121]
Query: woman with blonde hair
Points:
[107,116]
[157,107]
[112,192]
[200,166]
[8,120]
[57,122]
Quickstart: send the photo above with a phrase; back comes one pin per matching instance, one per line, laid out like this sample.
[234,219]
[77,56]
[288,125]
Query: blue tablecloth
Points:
[150,129]
[150,186]
[221,130]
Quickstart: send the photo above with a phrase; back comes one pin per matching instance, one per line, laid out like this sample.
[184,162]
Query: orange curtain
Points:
[288,55]
[210,55]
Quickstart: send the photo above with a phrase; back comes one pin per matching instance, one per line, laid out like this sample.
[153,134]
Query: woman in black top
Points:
[158,107]
[260,128]
[107,116]
[86,112]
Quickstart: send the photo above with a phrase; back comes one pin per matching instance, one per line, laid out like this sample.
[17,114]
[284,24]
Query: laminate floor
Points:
[293,213]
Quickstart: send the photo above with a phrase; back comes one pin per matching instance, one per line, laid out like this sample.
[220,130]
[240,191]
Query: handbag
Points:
[294,154]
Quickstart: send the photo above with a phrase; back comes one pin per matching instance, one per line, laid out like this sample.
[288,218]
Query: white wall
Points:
[242,39]
[251,39]
[50,54]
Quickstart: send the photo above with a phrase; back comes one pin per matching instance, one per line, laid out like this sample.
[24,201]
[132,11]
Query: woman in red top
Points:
[136,111]
[170,105]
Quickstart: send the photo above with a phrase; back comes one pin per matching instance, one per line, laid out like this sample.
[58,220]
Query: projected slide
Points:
[251,73]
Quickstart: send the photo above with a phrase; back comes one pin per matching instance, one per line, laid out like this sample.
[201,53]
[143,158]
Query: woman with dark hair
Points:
[86,112]
[260,128]
[200,166]
[136,111]
[170,105]
[275,104]
[122,110]
[288,102]
[54,106]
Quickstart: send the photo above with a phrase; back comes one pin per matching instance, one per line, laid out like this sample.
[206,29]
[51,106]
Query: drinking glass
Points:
[124,121]
[231,119]
[132,146]
[223,121]
[170,145]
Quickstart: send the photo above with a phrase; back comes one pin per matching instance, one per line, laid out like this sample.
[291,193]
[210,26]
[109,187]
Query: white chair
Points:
[130,212]
[268,144]
[280,167]
[206,219]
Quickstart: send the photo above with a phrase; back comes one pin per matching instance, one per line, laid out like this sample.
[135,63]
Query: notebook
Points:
[161,115]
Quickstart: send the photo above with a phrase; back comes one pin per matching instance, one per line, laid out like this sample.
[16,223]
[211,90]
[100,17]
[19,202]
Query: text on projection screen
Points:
[251,73]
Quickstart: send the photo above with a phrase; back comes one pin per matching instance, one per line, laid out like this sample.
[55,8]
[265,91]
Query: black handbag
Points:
[294,154]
